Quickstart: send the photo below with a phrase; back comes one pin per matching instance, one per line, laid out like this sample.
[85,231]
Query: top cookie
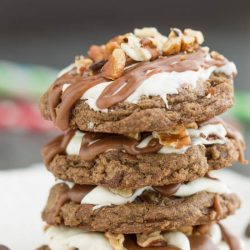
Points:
[141,81]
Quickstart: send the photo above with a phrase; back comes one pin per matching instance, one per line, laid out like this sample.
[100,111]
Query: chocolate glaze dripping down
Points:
[201,242]
[56,146]
[74,194]
[120,89]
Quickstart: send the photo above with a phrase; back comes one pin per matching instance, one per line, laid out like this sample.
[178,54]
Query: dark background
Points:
[52,32]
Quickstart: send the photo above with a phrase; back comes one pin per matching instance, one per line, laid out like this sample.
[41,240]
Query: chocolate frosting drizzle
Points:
[56,146]
[94,144]
[120,89]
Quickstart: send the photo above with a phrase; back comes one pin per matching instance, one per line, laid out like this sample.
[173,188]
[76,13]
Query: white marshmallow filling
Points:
[102,197]
[62,238]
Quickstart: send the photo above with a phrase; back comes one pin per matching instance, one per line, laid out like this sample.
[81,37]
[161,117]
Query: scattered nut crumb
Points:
[188,230]
[177,138]
[192,125]
[188,43]
[122,192]
[136,136]
[134,49]
[199,38]
[116,240]
[97,53]
[82,64]
[172,46]
[174,32]
[216,55]
[154,239]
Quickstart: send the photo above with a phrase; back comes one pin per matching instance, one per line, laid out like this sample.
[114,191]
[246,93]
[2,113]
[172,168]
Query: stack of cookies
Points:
[140,139]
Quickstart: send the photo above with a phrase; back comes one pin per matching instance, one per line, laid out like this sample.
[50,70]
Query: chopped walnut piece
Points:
[154,239]
[97,53]
[82,64]
[197,35]
[188,230]
[172,46]
[122,192]
[136,136]
[133,48]
[202,229]
[192,125]
[150,46]
[188,43]
[174,32]
[116,240]
[118,39]
[110,47]
[176,138]
[115,65]
[216,55]
[178,41]
[147,32]
[152,34]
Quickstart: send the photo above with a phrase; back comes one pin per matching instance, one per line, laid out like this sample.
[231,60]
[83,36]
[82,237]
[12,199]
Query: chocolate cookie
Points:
[148,96]
[117,161]
[146,210]
[209,236]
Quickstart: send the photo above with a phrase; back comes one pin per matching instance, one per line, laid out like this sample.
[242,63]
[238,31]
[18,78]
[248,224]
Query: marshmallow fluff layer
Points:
[198,137]
[62,238]
[101,196]
[159,84]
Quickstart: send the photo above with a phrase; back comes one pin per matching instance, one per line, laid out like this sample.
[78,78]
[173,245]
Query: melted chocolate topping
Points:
[201,242]
[56,146]
[74,194]
[94,144]
[120,89]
